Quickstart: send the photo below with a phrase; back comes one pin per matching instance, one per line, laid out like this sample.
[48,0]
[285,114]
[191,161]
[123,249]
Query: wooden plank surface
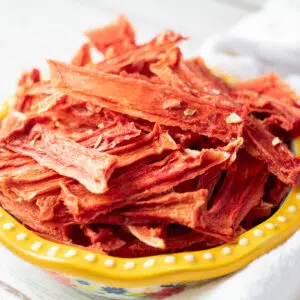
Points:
[34,30]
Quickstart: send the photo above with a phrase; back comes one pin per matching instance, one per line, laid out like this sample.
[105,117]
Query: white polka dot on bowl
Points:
[282,219]
[226,251]
[292,208]
[170,259]
[208,256]
[8,226]
[270,226]
[189,257]
[109,263]
[129,265]
[21,237]
[70,253]
[258,232]
[149,263]
[243,241]
[90,257]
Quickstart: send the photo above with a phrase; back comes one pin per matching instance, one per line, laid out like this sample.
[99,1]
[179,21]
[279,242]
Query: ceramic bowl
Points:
[152,277]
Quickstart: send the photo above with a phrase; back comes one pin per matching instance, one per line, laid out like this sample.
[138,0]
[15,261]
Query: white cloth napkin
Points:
[266,41]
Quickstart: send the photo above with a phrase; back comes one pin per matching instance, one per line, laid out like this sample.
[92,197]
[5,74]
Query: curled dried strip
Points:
[257,214]
[175,72]
[47,205]
[273,86]
[29,78]
[241,190]
[110,136]
[113,39]
[10,159]
[183,209]
[151,144]
[137,57]
[281,162]
[151,235]
[215,84]
[22,100]
[28,212]
[28,191]
[88,166]
[49,102]
[271,110]
[271,98]
[276,191]
[83,56]
[12,121]
[123,95]
[146,181]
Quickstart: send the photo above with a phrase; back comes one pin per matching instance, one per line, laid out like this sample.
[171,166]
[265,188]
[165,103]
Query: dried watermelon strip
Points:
[49,102]
[207,117]
[271,97]
[113,39]
[114,218]
[10,159]
[183,209]
[138,56]
[110,136]
[281,162]
[271,85]
[66,157]
[83,56]
[276,190]
[257,214]
[47,204]
[40,88]
[28,191]
[146,181]
[103,238]
[241,190]
[12,121]
[151,144]
[274,112]
[151,235]
[28,213]
[199,68]
[175,72]
[28,79]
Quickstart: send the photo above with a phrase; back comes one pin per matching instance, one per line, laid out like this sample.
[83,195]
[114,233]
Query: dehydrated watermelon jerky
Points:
[207,117]
[136,58]
[174,71]
[83,56]
[281,162]
[273,86]
[152,235]
[257,214]
[184,208]
[145,152]
[89,166]
[151,179]
[241,190]
[28,213]
[114,39]
[153,143]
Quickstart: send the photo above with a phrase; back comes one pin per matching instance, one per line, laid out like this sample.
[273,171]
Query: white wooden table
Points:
[31,31]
